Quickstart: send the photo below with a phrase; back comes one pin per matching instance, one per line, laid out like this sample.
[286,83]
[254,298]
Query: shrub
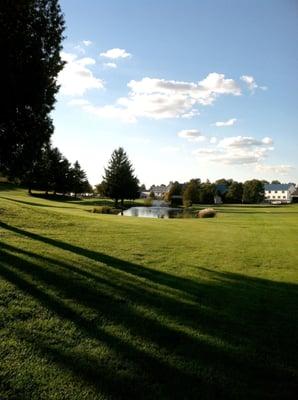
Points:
[103,210]
[206,213]
[148,202]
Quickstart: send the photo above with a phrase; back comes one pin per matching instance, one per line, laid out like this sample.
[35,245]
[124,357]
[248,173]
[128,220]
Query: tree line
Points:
[227,190]
[52,172]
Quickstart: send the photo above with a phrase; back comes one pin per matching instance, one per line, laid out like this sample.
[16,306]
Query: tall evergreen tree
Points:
[31,32]
[119,181]
[79,181]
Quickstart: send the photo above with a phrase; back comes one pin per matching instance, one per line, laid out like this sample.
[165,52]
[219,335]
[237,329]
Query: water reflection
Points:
[152,212]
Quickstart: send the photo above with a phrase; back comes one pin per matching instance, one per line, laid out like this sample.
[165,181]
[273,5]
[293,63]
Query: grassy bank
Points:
[109,307]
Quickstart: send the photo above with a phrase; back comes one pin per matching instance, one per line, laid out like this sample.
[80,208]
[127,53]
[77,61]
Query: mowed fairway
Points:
[109,307]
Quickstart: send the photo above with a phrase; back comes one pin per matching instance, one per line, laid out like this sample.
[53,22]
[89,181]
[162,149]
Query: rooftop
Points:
[278,186]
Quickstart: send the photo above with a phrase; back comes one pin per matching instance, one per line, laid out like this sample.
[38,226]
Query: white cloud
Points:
[160,98]
[217,84]
[192,113]
[192,135]
[110,65]
[237,150]
[213,140]
[76,78]
[232,157]
[229,122]
[276,169]
[116,53]
[87,43]
[251,83]
[203,92]
[244,142]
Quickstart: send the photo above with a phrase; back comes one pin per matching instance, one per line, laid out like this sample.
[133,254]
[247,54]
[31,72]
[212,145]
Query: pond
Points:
[152,212]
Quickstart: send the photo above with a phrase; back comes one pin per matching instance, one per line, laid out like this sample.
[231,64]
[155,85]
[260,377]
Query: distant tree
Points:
[79,182]
[191,193]
[31,32]
[176,189]
[59,173]
[142,188]
[224,181]
[100,188]
[275,182]
[234,193]
[152,195]
[119,180]
[207,192]
[253,191]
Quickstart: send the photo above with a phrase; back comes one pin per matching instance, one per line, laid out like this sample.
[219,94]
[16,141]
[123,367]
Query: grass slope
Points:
[108,307]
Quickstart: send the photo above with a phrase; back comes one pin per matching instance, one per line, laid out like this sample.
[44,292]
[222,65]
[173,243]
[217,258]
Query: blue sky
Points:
[190,89]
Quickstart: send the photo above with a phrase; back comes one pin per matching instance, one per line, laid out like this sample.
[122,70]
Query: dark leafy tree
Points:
[152,195]
[207,192]
[119,181]
[224,181]
[234,193]
[191,193]
[174,195]
[275,182]
[142,188]
[253,191]
[101,189]
[31,32]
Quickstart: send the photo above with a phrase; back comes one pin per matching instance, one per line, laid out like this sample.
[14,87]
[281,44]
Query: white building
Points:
[279,193]
[160,191]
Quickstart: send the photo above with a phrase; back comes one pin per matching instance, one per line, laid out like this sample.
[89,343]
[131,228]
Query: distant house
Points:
[144,195]
[279,193]
[220,191]
[160,191]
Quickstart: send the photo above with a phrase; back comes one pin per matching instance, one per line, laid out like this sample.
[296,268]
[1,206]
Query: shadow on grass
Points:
[84,201]
[228,336]
[31,203]
[5,187]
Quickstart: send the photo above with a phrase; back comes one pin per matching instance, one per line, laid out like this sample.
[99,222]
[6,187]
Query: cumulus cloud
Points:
[237,150]
[76,77]
[251,83]
[192,135]
[115,53]
[159,98]
[276,169]
[244,142]
[229,122]
[110,65]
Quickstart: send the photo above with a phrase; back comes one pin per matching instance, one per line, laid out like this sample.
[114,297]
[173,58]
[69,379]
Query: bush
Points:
[148,202]
[206,213]
[104,210]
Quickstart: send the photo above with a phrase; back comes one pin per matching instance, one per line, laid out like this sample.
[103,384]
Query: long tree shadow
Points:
[213,338]
[31,203]
[113,262]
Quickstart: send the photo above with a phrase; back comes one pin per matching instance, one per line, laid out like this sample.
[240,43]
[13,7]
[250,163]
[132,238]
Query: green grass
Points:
[108,307]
